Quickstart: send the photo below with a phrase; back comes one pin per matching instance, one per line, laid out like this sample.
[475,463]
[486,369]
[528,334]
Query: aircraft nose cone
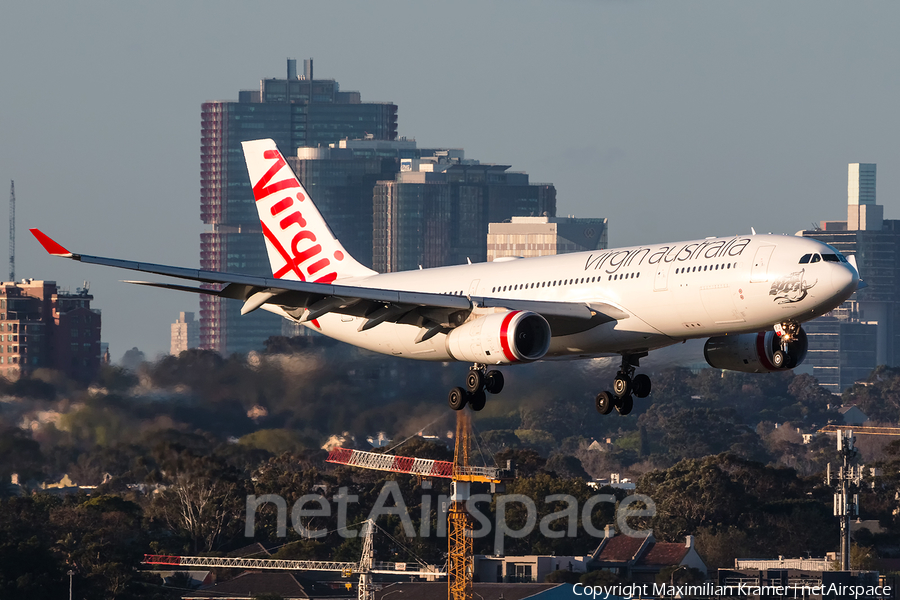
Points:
[844,280]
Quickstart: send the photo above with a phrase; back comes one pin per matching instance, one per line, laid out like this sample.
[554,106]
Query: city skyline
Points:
[717,117]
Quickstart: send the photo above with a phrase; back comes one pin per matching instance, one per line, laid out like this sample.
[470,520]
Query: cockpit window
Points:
[830,258]
[816,258]
[805,259]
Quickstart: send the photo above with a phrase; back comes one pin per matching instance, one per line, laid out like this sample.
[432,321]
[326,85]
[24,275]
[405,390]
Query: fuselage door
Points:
[759,272]
[473,287]
[661,281]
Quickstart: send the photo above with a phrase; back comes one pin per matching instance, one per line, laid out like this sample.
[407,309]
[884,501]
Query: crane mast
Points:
[459,556]
[460,560]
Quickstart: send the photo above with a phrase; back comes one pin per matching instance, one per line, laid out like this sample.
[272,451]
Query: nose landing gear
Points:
[787,332]
[479,383]
[625,385]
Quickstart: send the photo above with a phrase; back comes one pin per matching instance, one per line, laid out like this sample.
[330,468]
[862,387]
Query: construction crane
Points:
[366,566]
[460,565]
[895,431]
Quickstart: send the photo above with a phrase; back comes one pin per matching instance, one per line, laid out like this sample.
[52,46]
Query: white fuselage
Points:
[670,292]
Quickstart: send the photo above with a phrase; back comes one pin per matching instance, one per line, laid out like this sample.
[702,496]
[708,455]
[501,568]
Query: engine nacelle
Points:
[501,338]
[752,352]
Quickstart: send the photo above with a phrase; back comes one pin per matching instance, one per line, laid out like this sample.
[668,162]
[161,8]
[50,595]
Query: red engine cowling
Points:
[752,352]
[501,338]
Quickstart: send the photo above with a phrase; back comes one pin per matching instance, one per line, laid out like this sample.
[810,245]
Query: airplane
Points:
[748,294]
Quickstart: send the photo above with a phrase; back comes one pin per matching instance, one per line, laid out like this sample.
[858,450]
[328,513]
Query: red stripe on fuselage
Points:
[504,340]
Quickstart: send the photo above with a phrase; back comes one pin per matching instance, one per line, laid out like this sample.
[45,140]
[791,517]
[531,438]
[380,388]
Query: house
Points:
[853,415]
[525,569]
[641,559]
[184,578]
[481,591]
[615,481]
[248,585]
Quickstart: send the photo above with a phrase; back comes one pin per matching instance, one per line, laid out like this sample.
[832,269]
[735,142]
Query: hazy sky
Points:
[675,120]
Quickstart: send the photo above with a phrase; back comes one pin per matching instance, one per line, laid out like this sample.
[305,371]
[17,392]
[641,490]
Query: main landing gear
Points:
[479,383]
[625,385]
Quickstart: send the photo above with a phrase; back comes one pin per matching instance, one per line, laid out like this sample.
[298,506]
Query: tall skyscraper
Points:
[296,111]
[875,242]
[437,209]
[340,178]
[185,334]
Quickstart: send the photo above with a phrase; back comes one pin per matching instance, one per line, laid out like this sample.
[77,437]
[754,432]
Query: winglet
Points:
[49,244]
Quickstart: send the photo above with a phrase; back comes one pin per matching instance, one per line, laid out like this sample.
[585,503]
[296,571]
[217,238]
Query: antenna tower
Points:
[12,230]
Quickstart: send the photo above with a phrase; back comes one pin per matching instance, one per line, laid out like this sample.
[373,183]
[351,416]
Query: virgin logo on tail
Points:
[303,256]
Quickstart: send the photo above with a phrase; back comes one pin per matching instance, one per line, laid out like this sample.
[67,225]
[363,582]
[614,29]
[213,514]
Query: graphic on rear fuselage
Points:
[792,288]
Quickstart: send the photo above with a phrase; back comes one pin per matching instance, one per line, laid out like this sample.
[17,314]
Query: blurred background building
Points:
[394,206]
[846,344]
[296,111]
[185,333]
[544,236]
[42,326]
[437,209]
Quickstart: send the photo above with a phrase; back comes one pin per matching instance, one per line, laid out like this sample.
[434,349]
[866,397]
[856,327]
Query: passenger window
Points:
[816,258]
[805,259]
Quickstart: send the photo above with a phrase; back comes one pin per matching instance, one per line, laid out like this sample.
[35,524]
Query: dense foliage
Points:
[176,447]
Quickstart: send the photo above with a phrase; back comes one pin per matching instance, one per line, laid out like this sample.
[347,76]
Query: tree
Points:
[132,359]
[599,577]
[567,467]
[563,576]
[202,501]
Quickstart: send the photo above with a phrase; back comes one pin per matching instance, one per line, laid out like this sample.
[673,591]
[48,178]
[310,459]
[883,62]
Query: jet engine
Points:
[755,352]
[501,338]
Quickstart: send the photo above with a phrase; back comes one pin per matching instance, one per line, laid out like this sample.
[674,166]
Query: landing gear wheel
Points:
[778,359]
[622,386]
[474,381]
[477,400]
[641,385]
[457,398]
[625,405]
[604,403]
[493,381]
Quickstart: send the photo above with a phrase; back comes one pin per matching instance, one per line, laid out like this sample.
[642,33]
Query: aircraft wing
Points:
[431,311]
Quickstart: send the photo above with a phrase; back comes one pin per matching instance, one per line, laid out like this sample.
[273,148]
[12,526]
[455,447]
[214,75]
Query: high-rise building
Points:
[185,333]
[296,111]
[875,242]
[44,327]
[340,178]
[437,209]
[544,236]
[841,350]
